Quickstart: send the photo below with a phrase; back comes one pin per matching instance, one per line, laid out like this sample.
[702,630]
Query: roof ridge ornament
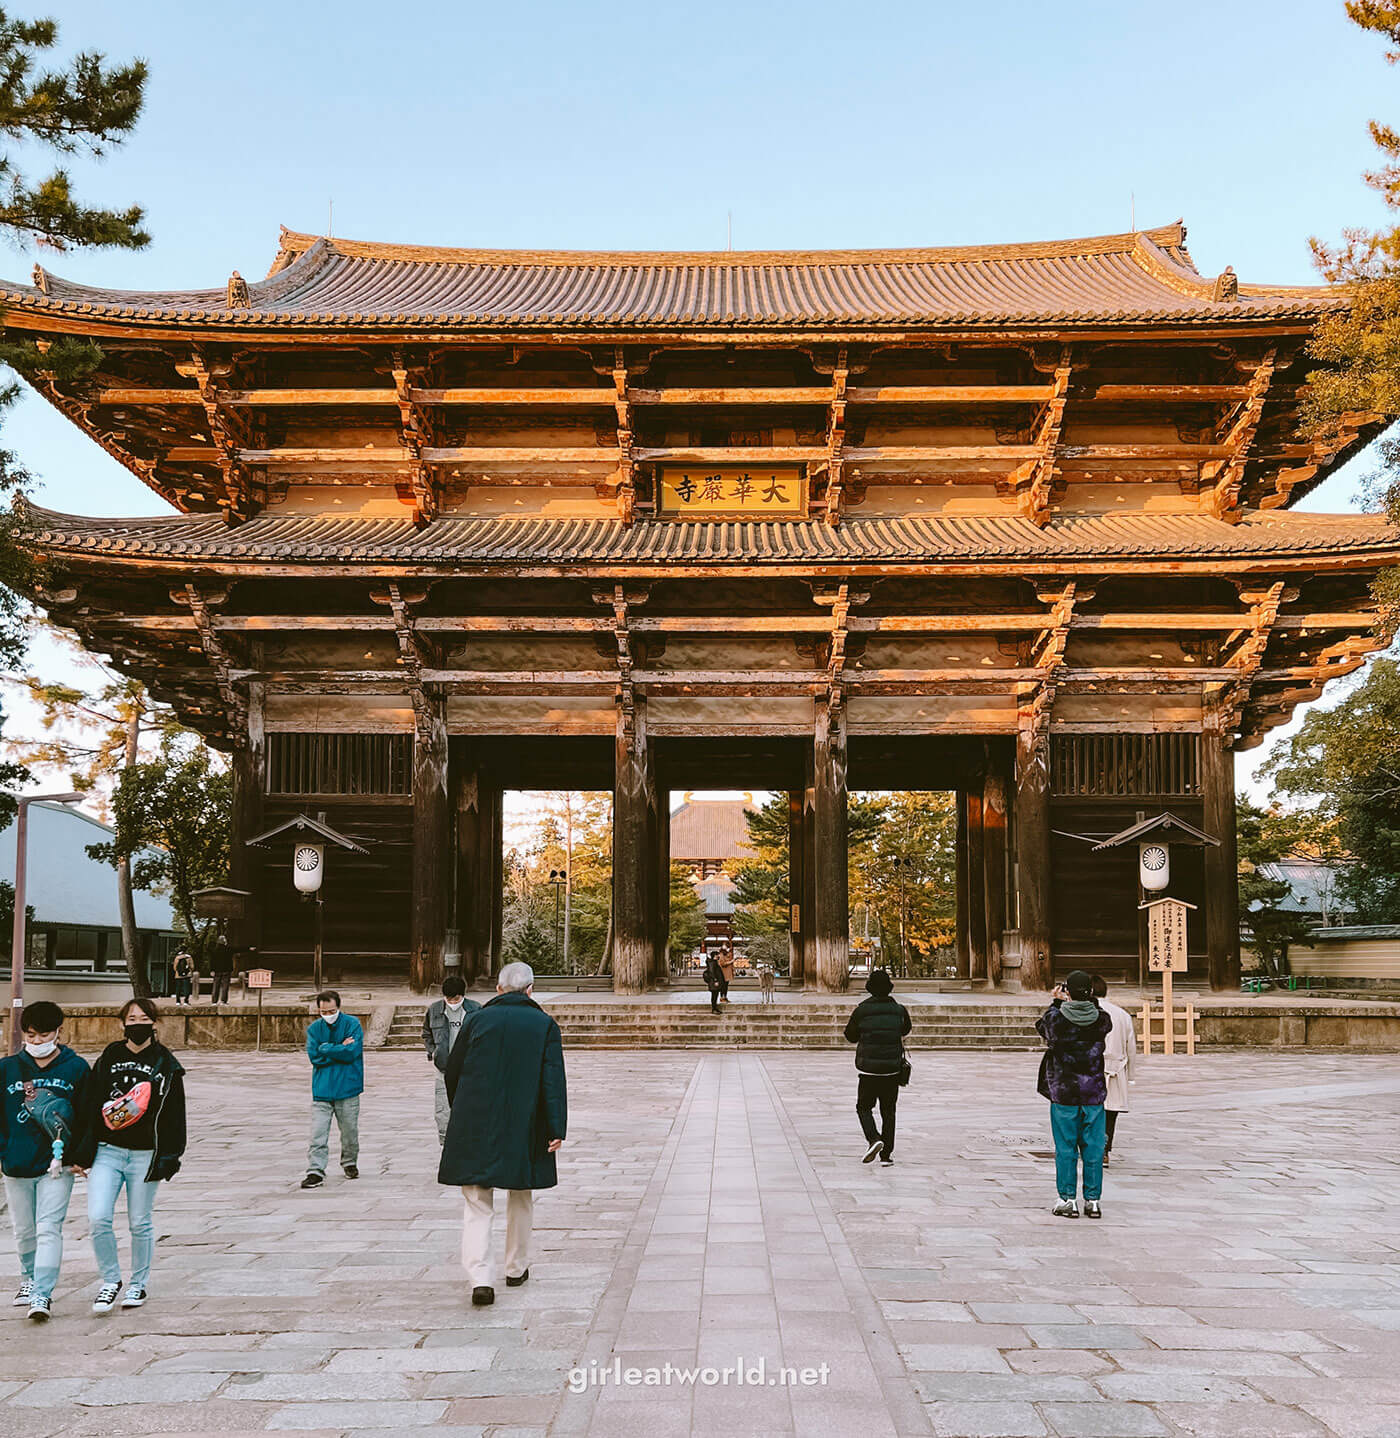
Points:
[238,298]
[1227,286]
[41,279]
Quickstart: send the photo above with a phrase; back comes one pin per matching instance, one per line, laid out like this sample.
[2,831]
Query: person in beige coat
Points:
[1119,1051]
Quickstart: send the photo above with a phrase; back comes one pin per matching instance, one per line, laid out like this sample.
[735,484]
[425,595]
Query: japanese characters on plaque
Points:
[732,492]
[1166,936]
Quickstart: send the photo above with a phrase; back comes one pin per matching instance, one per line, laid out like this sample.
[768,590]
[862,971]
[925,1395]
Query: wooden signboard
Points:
[220,903]
[259,978]
[759,491]
[1166,936]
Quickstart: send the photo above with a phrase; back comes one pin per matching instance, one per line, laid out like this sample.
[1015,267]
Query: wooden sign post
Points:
[1166,954]
[259,979]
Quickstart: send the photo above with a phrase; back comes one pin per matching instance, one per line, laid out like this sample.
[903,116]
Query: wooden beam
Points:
[1034,482]
[220,662]
[836,437]
[626,479]
[416,435]
[230,435]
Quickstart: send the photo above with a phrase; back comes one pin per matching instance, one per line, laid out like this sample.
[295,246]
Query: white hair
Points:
[515,978]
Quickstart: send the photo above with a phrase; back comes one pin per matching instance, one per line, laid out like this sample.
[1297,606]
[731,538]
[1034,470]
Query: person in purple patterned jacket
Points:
[1074,1028]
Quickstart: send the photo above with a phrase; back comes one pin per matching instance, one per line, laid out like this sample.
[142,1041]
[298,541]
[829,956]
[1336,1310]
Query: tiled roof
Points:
[290,538]
[710,829]
[1142,276]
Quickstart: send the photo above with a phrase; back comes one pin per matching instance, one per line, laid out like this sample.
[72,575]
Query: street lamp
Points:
[309,840]
[557,879]
[902,867]
[19,942]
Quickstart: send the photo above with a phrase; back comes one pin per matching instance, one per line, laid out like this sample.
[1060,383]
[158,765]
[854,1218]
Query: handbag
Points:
[906,1072]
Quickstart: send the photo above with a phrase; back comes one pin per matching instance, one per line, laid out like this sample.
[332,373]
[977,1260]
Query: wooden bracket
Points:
[1237,433]
[220,661]
[1034,480]
[626,477]
[416,435]
[836,437]
[412,657]
[229,434]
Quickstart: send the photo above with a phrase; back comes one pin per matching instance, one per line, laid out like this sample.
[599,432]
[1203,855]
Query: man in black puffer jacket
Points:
[877,1029]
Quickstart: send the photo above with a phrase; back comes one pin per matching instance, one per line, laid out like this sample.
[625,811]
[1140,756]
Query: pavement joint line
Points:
[901,1397]
[574,1414]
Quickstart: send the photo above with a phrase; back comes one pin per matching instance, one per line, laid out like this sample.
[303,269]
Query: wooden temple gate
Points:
[1012,522]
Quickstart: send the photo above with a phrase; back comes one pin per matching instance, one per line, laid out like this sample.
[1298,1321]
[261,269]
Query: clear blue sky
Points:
[641,125]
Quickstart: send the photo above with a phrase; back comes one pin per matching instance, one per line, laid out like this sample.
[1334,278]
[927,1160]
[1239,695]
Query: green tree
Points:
[760,894]
[530,943]
[84,107]
[90,735]
[1264,836]
[1360,346]
[1342,769]
[687,911]
[172,816]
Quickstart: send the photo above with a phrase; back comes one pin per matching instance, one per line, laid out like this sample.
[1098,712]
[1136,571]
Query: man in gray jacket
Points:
[441,1025]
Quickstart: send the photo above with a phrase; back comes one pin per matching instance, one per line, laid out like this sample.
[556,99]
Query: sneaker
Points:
[40,1308]
[313,1180]
[21,1298]
[1092,1209]
[873,1152]
[106,1299]
[351,1171]
[1066,1208]
[517,1280]
[482,1296]
[135,1297]
[886,1163]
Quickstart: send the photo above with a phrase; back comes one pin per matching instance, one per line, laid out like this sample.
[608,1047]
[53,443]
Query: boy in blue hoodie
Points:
[335,1044]
[41,1088]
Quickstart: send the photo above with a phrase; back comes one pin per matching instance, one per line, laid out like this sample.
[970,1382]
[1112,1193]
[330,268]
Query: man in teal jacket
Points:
[335,1044]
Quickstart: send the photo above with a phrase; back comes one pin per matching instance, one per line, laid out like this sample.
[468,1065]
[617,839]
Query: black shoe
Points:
[483,1296]
[313,1180]
[351,1171]
[516,1282]
[873,1152]
[887,1162]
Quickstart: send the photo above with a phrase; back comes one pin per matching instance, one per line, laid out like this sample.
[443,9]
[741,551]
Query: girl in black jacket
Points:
[877,1029]
[130,1135]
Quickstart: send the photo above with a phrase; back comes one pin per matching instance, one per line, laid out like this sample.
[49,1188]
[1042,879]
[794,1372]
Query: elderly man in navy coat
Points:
[505,1081]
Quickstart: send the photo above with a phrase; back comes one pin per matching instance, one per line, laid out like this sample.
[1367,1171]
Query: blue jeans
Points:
[38,1207]
[346,1112]
[1079,1132]
[112,1168]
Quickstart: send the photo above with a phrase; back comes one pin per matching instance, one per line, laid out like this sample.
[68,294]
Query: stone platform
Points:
[712,1209]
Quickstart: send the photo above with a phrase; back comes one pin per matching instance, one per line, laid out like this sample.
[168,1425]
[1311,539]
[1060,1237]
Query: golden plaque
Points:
[774,491]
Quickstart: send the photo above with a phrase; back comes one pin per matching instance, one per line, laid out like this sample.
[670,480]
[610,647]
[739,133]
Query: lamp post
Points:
[557,879]
[19,941]
[901,867]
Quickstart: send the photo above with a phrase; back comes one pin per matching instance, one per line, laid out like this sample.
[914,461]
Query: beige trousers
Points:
[476,1233]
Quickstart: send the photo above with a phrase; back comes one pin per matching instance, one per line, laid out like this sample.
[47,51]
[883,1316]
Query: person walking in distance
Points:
[505,1080]
[335,1044]
[221,970]
[184,976]
[726,974]
[877,1028]
[713,981]
[131,1134]
[1075,1029]
[442,1023]
[1119,1056]
[41,1090]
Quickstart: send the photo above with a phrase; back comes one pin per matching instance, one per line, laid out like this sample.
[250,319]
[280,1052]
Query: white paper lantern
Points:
[308,866]
[1154,866]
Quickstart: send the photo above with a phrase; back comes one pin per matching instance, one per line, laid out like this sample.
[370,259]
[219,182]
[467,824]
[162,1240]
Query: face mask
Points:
[454,1004]
[138,1034]
[331,1017]
[40,1051]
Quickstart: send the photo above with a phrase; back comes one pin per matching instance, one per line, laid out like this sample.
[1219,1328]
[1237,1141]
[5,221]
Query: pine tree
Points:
[85,107]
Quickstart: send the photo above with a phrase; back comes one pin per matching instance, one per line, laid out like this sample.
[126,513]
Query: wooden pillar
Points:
[809,873]
[494,876]
[248,773]
[797,868]
[976,890]
[432,835]
[1221,865]
[994,868]
[829,955]
[634,857]
[962,896]
[1033,850]
[661,911]
[473,864]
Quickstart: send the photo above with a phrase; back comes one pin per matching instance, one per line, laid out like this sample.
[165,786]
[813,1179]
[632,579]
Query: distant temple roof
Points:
[1140,276]
[709,829]
[503,539]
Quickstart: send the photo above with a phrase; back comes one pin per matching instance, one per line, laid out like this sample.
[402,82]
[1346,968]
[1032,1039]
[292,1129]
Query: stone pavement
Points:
[1245,1280]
